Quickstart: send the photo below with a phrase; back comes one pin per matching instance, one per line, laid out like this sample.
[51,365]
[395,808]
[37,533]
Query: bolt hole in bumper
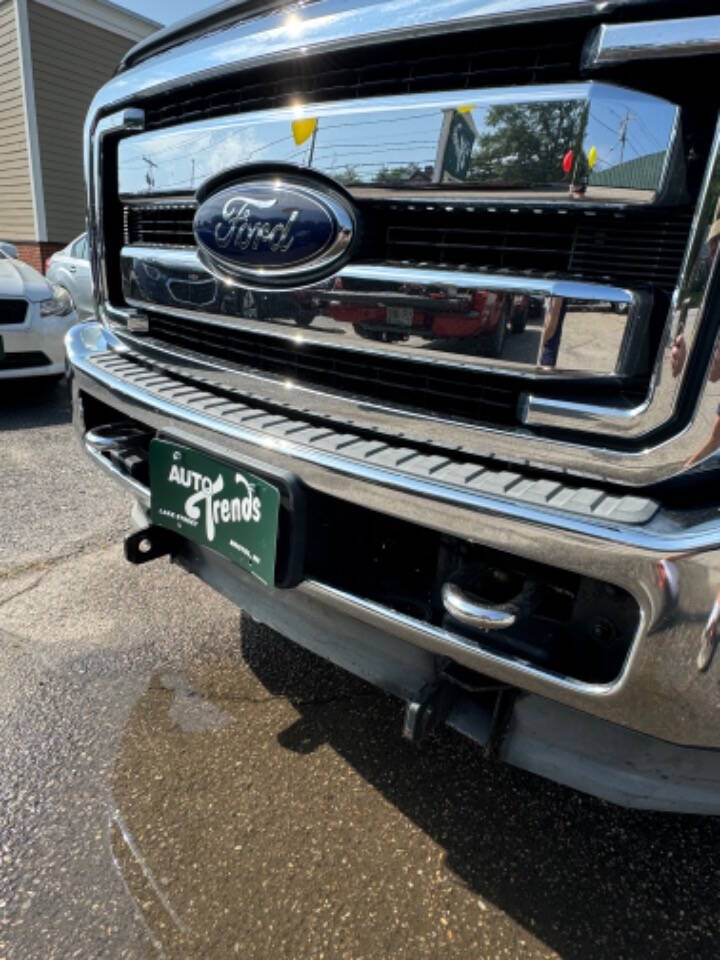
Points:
[622,705]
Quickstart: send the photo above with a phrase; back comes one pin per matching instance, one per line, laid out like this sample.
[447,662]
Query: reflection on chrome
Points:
[579,141]
[709,637]
[534,327]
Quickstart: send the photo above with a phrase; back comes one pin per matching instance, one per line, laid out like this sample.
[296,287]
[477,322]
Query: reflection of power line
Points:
[177,148]
[150,173]
[374,122]
[644,129]
[187,141]
[378,148]
[621,132]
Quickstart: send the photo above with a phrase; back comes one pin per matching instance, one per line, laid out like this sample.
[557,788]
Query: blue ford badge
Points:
[273,231]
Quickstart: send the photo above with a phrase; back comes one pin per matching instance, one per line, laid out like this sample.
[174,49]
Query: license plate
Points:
[400,316]
[215,504]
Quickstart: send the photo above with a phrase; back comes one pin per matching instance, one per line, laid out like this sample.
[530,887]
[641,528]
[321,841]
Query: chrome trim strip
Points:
[659,691]
[322,27]
[444,643]
[422,276]
[344,312]
[441,145]
[653,40]
[124,121]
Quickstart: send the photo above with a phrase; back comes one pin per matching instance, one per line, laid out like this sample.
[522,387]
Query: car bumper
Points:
[648,739]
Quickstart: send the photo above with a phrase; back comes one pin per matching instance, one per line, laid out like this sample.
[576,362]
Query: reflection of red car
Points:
[480,319]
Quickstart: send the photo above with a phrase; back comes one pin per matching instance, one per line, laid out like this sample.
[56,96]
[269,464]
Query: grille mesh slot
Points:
[466,395]
[486,58]
[637,248]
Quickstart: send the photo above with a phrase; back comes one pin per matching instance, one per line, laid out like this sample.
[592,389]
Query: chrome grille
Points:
[612,253]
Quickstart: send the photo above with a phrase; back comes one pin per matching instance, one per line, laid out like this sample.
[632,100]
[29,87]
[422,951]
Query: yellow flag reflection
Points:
[303,129]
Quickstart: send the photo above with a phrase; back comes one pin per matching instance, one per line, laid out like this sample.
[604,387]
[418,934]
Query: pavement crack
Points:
[24,590]
[46,564]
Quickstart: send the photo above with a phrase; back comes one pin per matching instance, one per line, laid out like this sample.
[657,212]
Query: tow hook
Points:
[150,543]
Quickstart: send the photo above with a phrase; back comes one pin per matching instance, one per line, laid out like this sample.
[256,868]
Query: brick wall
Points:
[37,253]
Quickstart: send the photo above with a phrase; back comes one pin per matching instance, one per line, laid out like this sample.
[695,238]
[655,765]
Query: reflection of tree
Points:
[403,174]
[348,176]
[525,143]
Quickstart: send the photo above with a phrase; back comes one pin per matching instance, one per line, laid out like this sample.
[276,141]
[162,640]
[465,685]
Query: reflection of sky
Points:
[647,122]
[404,132]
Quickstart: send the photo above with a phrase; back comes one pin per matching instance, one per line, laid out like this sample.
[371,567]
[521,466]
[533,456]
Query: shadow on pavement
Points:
[348,841]
[33,402]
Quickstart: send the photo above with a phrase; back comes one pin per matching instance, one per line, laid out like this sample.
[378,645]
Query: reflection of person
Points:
[580,176]
[678,353]
[713,441]
[709,638]
[552,331]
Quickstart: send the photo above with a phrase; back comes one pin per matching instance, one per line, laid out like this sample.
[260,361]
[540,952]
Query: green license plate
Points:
[215,504]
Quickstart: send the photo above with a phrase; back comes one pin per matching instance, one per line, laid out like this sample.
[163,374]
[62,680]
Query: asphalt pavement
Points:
[177,781]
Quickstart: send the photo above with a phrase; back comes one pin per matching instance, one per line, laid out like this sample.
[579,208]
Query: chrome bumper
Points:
[670,565]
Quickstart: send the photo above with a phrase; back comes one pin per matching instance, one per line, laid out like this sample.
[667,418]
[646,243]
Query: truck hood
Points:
[17,279]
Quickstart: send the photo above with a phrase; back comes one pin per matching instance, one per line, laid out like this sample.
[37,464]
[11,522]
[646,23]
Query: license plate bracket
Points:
[251,514]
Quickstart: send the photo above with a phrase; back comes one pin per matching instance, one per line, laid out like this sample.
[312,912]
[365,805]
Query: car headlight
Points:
[59,305]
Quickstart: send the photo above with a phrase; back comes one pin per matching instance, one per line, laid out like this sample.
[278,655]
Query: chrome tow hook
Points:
[466,609]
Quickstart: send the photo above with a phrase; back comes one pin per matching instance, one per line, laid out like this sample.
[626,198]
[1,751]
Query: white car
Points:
[35,315]
[70,268]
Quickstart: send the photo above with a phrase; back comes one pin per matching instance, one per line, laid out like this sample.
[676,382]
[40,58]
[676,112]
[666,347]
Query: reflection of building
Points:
[642,173]
[54,55]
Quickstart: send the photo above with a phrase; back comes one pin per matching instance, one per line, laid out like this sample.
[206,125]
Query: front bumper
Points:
[604,738]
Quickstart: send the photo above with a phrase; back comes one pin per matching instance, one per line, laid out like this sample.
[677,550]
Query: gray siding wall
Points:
[17,221]
[71,60]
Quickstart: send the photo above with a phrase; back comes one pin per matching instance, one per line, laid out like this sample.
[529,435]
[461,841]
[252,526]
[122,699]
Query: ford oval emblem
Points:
[277,231]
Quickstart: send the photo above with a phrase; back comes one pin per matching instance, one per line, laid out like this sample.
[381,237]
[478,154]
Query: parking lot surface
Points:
[178,781]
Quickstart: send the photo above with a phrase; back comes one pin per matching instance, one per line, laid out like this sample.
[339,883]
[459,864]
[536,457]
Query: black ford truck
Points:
[310,226]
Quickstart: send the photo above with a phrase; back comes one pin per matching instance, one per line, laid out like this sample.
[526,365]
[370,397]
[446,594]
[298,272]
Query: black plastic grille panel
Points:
[13,311]
[488,58]
[637,248]
[20,360]
[468,395]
